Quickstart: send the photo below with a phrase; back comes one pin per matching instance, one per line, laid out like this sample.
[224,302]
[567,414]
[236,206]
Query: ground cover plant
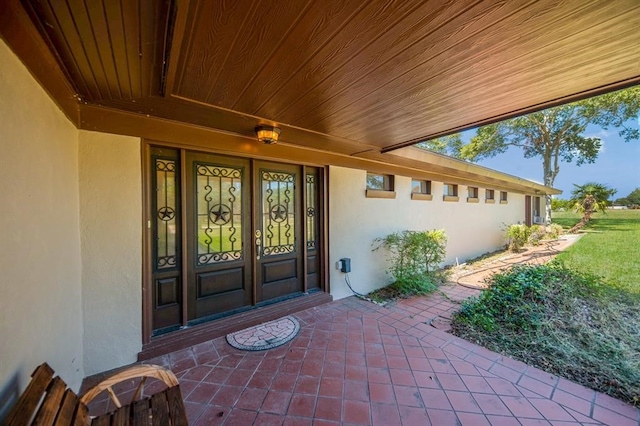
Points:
[565,319]
[414,257]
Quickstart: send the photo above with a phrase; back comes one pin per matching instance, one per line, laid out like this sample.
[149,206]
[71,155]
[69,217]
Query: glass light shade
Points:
[267,134]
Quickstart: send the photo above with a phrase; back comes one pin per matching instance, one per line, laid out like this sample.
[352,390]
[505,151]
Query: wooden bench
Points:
[48,401]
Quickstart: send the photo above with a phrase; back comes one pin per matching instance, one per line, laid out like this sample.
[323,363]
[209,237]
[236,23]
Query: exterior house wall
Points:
[40,279]
[111,237]
[355,221]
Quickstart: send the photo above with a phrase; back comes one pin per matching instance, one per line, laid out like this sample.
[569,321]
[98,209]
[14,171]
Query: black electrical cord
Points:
[346,279]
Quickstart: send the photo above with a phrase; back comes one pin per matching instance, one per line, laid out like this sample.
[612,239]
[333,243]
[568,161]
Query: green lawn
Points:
[610,247]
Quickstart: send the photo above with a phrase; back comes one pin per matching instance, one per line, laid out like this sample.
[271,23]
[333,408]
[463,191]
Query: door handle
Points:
[258,239]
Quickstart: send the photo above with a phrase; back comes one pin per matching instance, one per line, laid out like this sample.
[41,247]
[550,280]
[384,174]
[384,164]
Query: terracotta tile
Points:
[451,382]
[419,364]
[297,421]
[534,422]
[227,396]
[399,362]
[333,370]
[355,359]
[402,377]
[378,375]
[356,412]
[442,366]
[394,350]
[307,385]
[250,363]
[380,392]
[412,416]
[251,399]
[335,357]
[505,373]
[465,368]
[311,368]
[491,404]
[385,415]
[376,360]
[477,384]
[435,398]
[219,375]
[442,417]
[355,373]
[550,410]
[267,419]
[302,405]
[328,408]
[213,415]
[472,419]
[288,366]
[568,400]
[193,410]
[331,387]
[616,405]
[502,386]
[239,378]
[261,380]
[197,373]
[408,395]
[463,401]
[230,361]
[203,393]
[284,382]
[535,386]
[502,420]
[609,417]
[426,379]
[355,390]
[479,361]
[276,402]
[513,364]
[520,407]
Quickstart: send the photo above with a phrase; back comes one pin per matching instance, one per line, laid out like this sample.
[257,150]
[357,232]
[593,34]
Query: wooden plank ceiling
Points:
[351,77]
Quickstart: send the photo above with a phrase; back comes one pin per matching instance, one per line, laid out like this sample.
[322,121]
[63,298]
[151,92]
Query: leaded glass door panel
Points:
[278,235]
[219,235]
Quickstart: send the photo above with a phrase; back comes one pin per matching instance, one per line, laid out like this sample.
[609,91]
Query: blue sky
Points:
[617,165]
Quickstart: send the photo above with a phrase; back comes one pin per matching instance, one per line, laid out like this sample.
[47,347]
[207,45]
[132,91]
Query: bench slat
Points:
[103,420]
[51,404]
[28,402]
[160,409]
[176,406]
[121,416]
[82,415]
[65,415]
[140,413]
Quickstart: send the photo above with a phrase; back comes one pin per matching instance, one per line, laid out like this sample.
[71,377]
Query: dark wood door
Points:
[278,231]
[527,210]
[218,216]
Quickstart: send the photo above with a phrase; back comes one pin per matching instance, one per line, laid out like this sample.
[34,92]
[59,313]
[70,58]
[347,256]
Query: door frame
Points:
[147,237]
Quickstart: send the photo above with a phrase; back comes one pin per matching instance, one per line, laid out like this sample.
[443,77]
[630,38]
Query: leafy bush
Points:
[553,231]
[414,257]
[536,233]
[563,321]
[558,204]
[518,236]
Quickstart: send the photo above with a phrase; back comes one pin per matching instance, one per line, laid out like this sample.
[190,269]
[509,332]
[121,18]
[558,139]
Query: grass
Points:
[609,247]
[578,317]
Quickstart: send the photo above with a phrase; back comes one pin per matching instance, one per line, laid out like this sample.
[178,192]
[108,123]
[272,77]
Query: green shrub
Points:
[414,257]
[554,231]
[518,236]
[536,233]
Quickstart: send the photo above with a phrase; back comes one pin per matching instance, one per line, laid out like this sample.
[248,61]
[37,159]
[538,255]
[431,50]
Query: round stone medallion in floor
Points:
[265,336]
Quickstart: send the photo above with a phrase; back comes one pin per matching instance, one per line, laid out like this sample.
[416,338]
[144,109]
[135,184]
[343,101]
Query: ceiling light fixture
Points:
[268,134]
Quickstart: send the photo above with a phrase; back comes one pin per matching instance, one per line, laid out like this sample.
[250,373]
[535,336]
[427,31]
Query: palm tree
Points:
[589,198]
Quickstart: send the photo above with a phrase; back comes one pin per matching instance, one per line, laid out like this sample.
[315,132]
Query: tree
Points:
[557,134]
[447,145]
[589,198]
[633,199]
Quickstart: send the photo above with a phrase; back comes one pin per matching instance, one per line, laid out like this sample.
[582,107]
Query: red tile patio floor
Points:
[354,362]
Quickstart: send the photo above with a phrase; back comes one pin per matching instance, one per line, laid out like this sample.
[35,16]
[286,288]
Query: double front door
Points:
[229,234]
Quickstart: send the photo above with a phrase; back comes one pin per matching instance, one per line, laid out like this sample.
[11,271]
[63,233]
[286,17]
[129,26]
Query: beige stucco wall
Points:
[40,278]
[111,235]
[355,221]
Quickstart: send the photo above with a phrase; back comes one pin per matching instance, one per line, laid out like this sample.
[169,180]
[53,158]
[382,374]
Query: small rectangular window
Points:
[380,186]
[489,196]
[379,182]
[450,190]
[421,189]
[421,186]
[503,197]
[473,192]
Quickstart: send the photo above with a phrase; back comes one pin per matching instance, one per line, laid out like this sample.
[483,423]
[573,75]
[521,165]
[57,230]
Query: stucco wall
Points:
[111,235]
[355,221]
[40,299]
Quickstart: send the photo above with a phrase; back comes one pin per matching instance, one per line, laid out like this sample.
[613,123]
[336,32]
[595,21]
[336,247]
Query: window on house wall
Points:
[473,192]
[450,192]
[380,186]
[489,195]
[503,197]
[421,189]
